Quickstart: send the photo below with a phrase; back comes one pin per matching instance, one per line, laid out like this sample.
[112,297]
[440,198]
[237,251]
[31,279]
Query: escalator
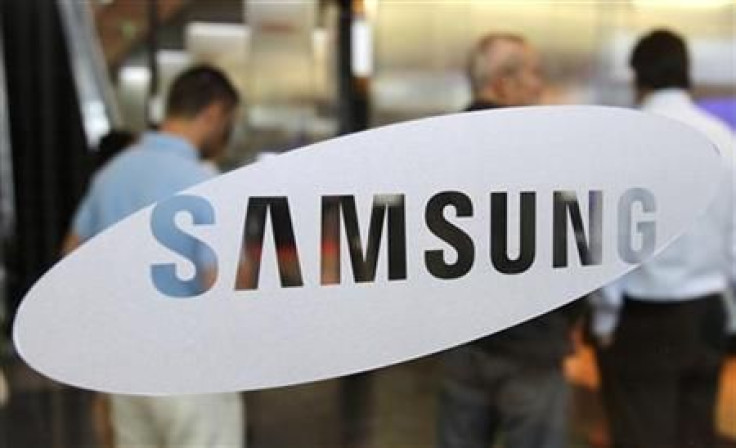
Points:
[53,107]
[59,103]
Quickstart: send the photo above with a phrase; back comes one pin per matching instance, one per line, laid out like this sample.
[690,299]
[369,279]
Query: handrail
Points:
[7,193]
[99,107]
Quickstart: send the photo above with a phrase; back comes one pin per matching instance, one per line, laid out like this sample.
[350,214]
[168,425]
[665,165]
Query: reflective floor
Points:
[389,408]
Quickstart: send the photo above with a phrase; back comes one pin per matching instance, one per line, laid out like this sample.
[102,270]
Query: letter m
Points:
[364,262]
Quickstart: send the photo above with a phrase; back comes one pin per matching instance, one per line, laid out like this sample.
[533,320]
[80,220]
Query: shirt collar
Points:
[169,143]
[666,98]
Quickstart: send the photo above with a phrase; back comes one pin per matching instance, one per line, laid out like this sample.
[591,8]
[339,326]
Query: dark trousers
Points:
[485,394]
[660,376]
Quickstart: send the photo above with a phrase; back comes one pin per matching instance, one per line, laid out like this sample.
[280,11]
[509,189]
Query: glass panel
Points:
[283,59]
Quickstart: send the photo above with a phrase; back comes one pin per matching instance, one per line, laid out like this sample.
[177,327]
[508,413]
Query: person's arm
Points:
[71,242]
[81,228]
[730,294]
[102,420]
[209,277]
[732,222]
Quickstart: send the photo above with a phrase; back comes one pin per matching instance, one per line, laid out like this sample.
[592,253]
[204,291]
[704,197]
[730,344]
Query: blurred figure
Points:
[199,115]
[109,146]
[661,328]
[511,382]
[504,70]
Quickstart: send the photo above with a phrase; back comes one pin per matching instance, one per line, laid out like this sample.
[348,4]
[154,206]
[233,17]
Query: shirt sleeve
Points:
[728,207]
[83,223]
[727,146]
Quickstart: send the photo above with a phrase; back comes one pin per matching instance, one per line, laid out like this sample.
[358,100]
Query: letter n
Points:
[590,247]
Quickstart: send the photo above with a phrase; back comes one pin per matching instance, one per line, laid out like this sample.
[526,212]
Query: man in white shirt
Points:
[661,328]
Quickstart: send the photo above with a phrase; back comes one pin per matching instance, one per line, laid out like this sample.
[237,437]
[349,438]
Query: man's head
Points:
[660,61]
[201,106]
[504,69]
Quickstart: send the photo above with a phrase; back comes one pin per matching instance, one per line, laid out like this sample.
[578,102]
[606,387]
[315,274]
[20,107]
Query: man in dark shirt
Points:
[510,382]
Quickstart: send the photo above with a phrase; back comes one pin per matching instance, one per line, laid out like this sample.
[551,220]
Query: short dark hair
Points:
[197,88]
[660,60]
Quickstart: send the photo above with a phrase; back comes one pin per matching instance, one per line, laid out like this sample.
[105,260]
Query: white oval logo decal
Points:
[367,250]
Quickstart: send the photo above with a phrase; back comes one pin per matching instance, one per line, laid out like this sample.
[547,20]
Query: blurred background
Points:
[309,70]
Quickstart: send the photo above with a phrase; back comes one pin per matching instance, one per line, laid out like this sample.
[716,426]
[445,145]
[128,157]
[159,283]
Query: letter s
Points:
[451,234]
[164,229]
